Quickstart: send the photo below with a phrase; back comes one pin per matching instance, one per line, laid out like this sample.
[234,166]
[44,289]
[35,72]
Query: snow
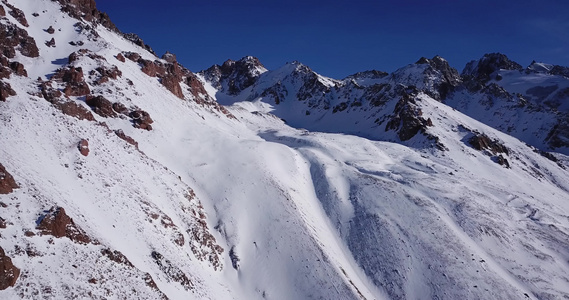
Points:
[324,206]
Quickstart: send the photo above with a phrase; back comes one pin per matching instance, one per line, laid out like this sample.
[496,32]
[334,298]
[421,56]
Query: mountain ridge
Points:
[125,175]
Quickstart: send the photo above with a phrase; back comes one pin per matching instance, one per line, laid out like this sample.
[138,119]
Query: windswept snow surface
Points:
[299,214]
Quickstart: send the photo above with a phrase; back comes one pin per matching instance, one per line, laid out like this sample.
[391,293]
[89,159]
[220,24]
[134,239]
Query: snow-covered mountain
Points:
[125,175]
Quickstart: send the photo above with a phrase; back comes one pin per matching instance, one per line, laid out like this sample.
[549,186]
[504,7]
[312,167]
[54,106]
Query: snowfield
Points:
[269,201]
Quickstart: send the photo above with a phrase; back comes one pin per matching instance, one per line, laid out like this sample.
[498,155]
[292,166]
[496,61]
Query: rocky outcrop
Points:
[126,138]
[171,271]
[235,76]
[7,182]
[57,223]
[17,13]
[13,37]
[18,69]
[83,147]
[101,106]
[407,119]
[448,77]
[50,43]
[477,73]
[133,37]
[120,57]
[86,10]
[8,272]
[50,30]
[141,119]
[6,91]
[76,85]
[172,83]
[490,147]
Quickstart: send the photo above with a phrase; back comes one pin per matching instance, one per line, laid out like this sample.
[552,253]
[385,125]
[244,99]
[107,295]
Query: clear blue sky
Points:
[339,38]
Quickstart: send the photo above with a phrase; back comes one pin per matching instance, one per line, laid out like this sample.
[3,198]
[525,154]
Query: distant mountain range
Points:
[126,175]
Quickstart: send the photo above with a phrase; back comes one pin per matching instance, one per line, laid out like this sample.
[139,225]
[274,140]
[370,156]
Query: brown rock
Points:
[12,36]
[196,87]
[120,108]
[7,182]
[5,72]
[75,110]
[2,223]
[50,43]
[8,272]
[141,119]
[133,56]
[78,89]
[57,223]
[113,72]
[169,57]
[117,257]
[6,91]
[18,68]
[2,11]
[120,57]
[50,30]
[127,138]
[101,106]
[172,83]
[17,14]
[83,147]
[50,94]
[152,68]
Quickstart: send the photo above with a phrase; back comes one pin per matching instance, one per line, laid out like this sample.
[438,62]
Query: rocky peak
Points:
[484,68]
[235,76]
[87,10]
[133,37]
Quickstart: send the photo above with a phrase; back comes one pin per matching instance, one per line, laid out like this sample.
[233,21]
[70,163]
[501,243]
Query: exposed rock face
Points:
[57,223]
[101,106]
[86,9]
[236,75]
[449,77]
[120,57]
[18,69]
[479,72]
[172,83]
[141,119]
[407,120]
[492,148]
[171,271]
[2,11]
[133,37]
[169,57]
[75,110]
[8,272]
[17,14]
[76,85]
[126,138]
[7,182]
[83,147]
[12,36]
[6,91]
[50,43]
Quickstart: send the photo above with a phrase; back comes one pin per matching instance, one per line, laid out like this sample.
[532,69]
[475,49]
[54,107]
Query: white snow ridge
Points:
[122,175]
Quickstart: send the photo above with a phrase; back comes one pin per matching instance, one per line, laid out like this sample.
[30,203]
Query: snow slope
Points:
[211,205]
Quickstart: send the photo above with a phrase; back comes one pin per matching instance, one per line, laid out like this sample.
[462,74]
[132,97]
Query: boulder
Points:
[83,147]
[6,91]
[50,30]
[7,182]
[101,106]
[8,272]
[120,57]
[57,223]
